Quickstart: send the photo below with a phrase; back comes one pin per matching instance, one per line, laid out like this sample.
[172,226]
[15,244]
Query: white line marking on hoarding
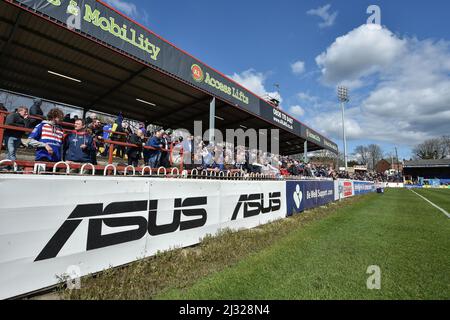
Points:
[445,212]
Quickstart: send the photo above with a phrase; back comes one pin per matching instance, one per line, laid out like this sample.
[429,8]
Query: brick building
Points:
[387,164]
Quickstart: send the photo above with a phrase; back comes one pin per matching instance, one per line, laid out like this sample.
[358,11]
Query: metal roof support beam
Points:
[305,152]
[11,37]
[87,69]
[197,116]
[212,119]
[117,87]
[87,53]
[229,125]
[74,48]
[168,87]
[182,109]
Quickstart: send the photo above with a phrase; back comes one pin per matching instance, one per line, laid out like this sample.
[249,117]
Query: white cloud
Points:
[410,99]
[255,82]
[327,17]
[129,9]
[303,96]
[126,7]
[297,111]
[331,124]
[298,67]
[358,54]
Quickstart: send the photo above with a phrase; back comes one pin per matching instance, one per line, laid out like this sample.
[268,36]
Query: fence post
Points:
[10,161]
[85,165]
[147,168]
[181,159]
[107,170]
[2,122]
[125,173]
[111,151]
[173,170]
[56,165]
[171,154]
[159,171]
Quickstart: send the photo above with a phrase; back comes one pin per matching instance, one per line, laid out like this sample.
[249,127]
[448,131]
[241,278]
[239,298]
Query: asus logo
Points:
[253,204]
[95,213]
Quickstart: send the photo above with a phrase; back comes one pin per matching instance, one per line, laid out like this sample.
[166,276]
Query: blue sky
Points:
[399,74]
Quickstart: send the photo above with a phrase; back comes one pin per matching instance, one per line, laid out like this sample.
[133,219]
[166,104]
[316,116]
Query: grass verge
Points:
[181,268]
[328,259]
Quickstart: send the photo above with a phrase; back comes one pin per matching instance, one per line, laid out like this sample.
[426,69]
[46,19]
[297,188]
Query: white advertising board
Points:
[344,189]
[395,185]
[50,225]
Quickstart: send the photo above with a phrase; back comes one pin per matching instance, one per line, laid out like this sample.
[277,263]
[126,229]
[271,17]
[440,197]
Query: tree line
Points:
[433,149]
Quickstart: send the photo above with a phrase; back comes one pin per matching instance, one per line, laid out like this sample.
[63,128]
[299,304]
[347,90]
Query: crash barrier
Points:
[74,169]
[175,150]
[53,225]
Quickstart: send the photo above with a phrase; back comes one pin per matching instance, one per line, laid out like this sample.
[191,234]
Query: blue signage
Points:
[362,187]
[304,195]
[413,186]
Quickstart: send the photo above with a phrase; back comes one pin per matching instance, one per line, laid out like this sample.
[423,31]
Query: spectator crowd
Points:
[58,137]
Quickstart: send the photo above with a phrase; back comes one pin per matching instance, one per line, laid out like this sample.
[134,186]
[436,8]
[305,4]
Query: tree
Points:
[369,155]
[353,163]
[446,146]
[362,153]
[375,155]
[437,148]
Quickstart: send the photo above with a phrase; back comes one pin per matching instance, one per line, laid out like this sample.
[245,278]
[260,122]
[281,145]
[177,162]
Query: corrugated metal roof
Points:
[111,82]
[428,163]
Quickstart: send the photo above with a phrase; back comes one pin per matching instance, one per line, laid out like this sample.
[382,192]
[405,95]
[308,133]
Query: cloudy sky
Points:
[398,72]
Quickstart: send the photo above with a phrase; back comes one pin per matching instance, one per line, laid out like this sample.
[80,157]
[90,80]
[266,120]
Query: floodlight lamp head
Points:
[343,94]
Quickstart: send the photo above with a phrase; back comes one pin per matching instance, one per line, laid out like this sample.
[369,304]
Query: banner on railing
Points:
[363,187]
[93,223]
[343,189]
[395,185]
[304,195]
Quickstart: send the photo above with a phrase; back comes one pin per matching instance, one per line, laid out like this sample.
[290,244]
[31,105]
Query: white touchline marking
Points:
[445,212]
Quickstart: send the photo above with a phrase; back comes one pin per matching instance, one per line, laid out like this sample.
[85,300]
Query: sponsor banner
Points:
[313,136]
[363,187]
[413,186]
[89,224]
[280,119]
[96,20]
[395,185]
[345,189]
[304,195]
[426,186]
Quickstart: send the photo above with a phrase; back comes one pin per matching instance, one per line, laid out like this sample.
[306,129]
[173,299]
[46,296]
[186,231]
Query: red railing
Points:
[111,143]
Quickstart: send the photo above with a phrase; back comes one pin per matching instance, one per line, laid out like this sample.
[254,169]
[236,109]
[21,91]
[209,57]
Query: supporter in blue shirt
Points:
[48,136]
[154,154]
[79,146]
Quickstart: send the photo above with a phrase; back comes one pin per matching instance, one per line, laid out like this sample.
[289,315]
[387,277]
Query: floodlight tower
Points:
[344,98]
